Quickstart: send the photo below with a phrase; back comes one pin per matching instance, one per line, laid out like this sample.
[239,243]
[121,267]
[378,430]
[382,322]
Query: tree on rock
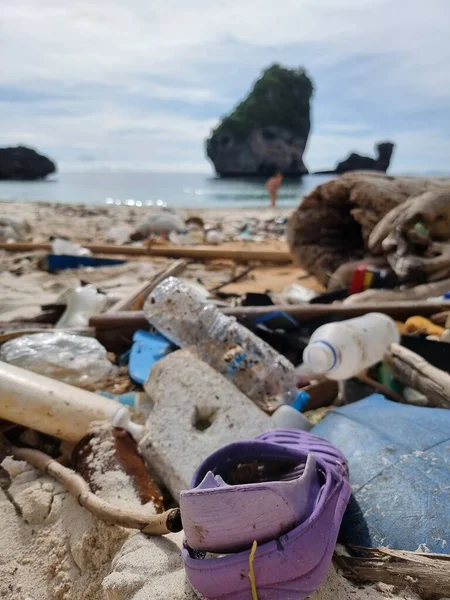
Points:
[268,130]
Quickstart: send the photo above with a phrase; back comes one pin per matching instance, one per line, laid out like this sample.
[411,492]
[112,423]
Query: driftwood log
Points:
[414,371]
[427,574]
[333,224]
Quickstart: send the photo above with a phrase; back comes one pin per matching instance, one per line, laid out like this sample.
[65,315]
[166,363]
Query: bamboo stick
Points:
[134,302]
[197,253]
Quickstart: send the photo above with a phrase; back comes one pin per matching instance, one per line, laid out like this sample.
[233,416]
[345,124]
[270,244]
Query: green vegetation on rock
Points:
[279,98]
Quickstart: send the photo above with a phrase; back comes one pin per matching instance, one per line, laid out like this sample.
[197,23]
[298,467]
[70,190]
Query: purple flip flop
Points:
[286,489]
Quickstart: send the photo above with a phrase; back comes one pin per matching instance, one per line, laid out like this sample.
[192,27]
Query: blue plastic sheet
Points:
[399,458]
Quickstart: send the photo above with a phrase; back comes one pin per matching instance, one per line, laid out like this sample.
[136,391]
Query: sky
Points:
[140,84]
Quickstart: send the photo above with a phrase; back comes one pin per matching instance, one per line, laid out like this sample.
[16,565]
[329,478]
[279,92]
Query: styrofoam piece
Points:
[195,412]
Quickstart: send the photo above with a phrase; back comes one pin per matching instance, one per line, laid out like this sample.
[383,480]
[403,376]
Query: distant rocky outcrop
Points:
[24,164]
[268,131]
[356,162]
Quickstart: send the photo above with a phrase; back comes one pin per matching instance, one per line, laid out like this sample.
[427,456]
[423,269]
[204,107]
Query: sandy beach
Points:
[51,548]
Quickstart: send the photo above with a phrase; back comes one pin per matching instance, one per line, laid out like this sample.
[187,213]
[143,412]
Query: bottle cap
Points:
[301,401]
[320,356]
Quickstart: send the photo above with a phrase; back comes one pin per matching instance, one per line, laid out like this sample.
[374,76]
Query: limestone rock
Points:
[356,162]
[268,131]
[24,164]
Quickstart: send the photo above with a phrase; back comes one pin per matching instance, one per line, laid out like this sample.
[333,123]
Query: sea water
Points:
[191,190]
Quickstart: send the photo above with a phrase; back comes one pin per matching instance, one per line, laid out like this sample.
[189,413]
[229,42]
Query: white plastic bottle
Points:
[343,349]
[180,313]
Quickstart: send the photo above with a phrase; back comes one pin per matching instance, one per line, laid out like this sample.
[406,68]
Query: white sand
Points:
[52,549]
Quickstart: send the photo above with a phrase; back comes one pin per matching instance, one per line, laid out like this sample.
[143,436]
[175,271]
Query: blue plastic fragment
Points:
[59,262]
[128,399]
[146,350]
[399,460]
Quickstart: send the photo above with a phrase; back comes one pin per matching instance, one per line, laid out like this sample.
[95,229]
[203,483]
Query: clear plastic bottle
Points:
[343,349]
[184,317]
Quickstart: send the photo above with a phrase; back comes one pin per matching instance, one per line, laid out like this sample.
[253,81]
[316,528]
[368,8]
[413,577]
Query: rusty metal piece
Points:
[125,457]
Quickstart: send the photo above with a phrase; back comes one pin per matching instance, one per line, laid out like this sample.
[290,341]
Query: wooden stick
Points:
[304,313]
[237,277]
[161,524]
[414,371]
[440,318]
[309,312]
[200,254]
[427,573]
[137,299]
[379,387]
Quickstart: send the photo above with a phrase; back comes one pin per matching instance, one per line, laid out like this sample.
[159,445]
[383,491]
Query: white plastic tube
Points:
[56,408]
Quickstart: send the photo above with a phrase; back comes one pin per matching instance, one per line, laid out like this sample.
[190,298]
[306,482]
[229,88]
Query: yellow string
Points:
[251,573]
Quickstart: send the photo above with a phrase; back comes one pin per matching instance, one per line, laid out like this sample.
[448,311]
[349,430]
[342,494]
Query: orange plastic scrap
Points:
[422,326]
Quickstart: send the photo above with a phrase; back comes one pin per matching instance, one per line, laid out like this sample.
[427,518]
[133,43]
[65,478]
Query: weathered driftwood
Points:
[428,574]
[396,237]
[333,223]
[160,524]
[414,371]
[441,318]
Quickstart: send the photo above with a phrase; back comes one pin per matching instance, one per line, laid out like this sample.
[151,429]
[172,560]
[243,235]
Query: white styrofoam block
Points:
[196,411]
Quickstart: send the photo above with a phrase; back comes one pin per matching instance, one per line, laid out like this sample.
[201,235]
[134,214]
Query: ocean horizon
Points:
[145,188]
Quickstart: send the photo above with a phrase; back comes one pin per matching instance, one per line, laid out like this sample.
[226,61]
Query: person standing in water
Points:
[272,186]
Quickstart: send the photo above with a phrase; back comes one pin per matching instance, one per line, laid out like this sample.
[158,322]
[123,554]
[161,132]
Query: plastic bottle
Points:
[290,416]
[341,350]
[57,408]
[184,317]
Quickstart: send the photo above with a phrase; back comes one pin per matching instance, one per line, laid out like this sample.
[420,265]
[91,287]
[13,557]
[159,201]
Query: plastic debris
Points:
[82,304]
[13,230]
[294,294]
[183,316]
[235,500]
[73,359]
[146,350]
[341,350]
[161,223]
[67,248]
[399,462]
[56,408]
[60,262]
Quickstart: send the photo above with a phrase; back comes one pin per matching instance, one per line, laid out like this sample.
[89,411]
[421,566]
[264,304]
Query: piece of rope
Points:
[251,570]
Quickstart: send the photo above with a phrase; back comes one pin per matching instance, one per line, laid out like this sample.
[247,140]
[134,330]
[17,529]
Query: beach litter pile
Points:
[208,421]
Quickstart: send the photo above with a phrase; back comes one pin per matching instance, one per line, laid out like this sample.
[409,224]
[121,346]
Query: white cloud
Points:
[146,52]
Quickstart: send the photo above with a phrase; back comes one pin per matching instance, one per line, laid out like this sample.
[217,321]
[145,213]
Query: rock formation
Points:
[24,164]
[268,131]
[356,162]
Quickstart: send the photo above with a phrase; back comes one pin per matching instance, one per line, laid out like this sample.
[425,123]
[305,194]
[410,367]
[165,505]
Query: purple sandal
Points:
[288,490]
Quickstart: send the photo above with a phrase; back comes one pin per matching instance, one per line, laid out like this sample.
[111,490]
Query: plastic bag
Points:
[67,248]
[73,359]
